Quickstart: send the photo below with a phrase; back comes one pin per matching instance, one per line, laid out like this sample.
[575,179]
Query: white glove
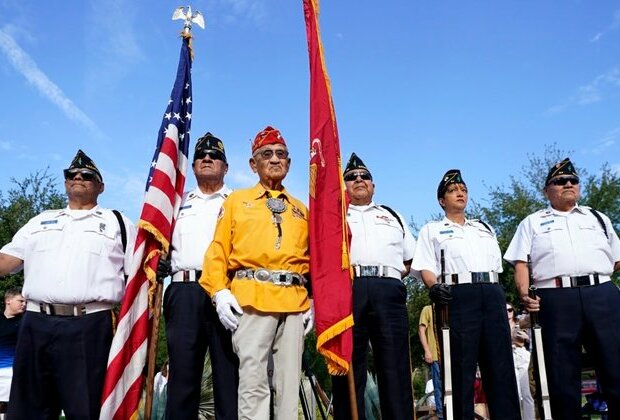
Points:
[225,303]
[308,318]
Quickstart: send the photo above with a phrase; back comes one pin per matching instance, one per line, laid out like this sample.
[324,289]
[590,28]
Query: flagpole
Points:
[185,14]
[152,353]
[352,395]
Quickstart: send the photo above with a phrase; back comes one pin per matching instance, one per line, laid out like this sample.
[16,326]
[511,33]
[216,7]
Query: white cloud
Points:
[252,9]
[242,178]
[232,11]
[607,141]
[615,24]
[5,145]
[28,68]
[555,109]
[113,49]
[591,92]
[596,37]
[124,190]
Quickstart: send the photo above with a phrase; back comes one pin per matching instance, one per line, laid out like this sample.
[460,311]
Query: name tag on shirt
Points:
[445,232]
[49,222]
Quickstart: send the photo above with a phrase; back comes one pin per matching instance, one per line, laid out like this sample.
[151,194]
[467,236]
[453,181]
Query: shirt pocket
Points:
[99,241]
[592,233]
[47,236]
[488,244]
[186,223]
[548,238]
[452,243]
[389,229]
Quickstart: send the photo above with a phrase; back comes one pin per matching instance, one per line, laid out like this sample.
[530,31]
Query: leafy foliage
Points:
[206,409]
[508,205]
[505,207]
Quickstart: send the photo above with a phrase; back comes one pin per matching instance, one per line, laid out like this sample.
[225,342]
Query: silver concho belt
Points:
[278,277]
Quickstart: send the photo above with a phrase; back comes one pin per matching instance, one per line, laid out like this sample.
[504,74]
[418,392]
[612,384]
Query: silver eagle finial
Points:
[185,13]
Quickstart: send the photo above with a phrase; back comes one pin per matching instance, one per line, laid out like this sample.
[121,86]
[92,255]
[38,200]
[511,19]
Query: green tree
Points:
[28,197]
[507,205]
[504,208]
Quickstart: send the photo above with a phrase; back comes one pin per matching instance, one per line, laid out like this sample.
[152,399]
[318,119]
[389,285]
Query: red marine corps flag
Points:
[164,190]
[329,249]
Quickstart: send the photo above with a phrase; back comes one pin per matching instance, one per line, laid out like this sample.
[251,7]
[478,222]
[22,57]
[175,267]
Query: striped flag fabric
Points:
[164,190]
[329,239]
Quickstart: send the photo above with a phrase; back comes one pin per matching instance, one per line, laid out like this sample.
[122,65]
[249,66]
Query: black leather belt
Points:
[577,281]
[472,277]
[186,276]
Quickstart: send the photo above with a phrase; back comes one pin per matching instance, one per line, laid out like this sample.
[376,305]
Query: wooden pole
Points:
[152,354]
[352,396]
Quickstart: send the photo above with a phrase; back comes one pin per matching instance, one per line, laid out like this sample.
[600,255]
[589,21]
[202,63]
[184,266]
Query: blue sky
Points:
[419,87]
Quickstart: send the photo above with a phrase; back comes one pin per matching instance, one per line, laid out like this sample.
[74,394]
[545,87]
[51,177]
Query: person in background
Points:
[160,386]
[14,307]
[428,339]
[521,358]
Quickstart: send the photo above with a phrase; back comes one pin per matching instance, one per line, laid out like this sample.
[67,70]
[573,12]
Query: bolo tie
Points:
[277,206]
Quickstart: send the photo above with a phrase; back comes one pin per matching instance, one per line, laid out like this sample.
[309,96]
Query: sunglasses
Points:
[353,176]
[84,173]
[268,153]
[565,180]
[213,155]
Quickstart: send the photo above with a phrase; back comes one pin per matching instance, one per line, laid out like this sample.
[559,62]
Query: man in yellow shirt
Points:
[426,332]
[256,270]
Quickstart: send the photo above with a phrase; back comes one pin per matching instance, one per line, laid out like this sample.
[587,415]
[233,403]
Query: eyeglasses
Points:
[213,155]
[84,173]
[510,309]
[353,176]
[565,180]
[268,153]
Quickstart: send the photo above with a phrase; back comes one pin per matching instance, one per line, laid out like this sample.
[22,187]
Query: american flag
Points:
[164,190]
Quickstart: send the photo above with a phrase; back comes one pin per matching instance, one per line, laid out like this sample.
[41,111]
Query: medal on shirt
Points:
[276,206]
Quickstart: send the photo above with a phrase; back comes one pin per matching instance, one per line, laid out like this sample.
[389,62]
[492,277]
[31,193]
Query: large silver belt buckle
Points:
[282,278]
[369,271]
[480,277]
[262,274]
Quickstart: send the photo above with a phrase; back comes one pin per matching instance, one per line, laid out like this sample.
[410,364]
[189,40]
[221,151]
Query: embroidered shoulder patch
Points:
[298,213]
